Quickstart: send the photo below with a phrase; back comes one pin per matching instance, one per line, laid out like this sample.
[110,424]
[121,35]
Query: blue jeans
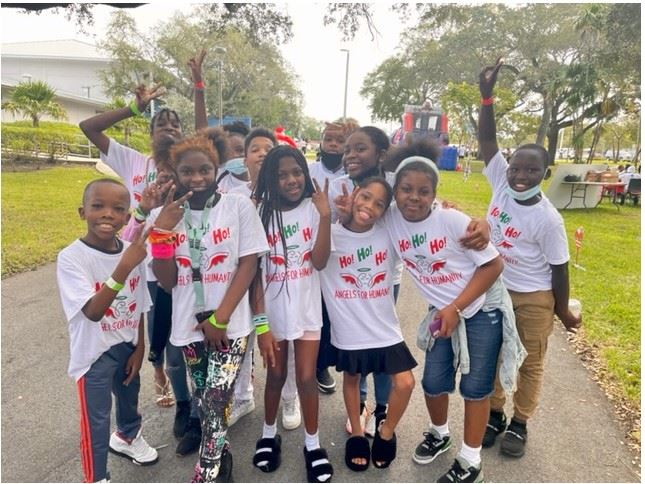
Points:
[382,381]
[484,333]
[175,364]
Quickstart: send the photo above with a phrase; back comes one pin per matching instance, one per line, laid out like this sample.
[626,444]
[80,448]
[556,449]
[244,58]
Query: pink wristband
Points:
[162,251]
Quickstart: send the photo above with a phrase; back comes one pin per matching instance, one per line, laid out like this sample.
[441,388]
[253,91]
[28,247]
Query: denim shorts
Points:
[484,333]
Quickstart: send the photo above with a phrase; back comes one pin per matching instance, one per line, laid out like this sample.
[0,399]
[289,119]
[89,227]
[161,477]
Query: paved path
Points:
[573,438]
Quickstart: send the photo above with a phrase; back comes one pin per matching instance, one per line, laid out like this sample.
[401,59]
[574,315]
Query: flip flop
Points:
[165,397]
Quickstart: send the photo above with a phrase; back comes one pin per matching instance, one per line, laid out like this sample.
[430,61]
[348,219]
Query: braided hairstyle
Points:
[267,193]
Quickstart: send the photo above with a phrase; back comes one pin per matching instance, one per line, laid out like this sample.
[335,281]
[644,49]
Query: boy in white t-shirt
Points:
[103,290]
[139,171]
[529,233]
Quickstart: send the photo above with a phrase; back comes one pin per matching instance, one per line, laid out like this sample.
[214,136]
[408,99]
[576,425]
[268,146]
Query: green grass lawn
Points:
[40,214]
[39,218]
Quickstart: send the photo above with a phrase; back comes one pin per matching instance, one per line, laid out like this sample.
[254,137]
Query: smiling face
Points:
[256,152]
[360,154]
[414,195]
[525,170]
[333,141]
[291,181]
[196,172]
[105,208]
[370,203]
[166,129]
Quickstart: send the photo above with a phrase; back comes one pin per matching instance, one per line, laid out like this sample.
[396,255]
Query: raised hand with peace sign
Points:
[172,211]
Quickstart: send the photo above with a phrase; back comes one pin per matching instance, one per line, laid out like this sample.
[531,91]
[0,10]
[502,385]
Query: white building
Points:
[69,66]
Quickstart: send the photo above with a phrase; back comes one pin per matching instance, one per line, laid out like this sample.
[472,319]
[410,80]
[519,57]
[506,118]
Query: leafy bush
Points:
[60,139]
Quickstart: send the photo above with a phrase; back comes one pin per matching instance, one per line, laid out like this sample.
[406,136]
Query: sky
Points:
[312,45]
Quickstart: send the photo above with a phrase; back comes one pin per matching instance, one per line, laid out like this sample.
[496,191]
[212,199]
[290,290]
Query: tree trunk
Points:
[547,107]
[552,142]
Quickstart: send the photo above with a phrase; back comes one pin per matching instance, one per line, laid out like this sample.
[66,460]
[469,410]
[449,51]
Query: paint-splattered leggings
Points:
[214,374]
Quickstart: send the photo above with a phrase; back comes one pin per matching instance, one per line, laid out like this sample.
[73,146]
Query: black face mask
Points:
[331,161]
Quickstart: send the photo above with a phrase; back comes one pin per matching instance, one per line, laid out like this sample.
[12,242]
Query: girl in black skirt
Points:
[365,331]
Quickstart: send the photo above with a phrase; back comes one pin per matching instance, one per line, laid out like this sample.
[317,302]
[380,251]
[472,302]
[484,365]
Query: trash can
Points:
[448,158]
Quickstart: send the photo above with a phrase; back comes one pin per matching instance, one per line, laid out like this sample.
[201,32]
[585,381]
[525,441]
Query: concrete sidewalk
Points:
[573,438]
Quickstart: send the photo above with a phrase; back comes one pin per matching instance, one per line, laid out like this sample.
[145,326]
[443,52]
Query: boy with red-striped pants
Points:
[103,289]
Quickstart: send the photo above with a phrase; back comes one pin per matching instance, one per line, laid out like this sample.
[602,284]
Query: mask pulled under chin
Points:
[525,195]
[235,166]
[331,160]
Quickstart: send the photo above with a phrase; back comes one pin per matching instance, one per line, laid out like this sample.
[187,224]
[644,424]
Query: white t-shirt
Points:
[357,286]
[431,253]
[233,230]
[80,271]
[529,238]
[292,284]
[243,189]
[228,183]
[318,172]
[137,170]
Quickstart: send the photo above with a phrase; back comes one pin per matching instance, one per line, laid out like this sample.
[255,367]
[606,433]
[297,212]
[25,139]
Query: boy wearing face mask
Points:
[529,234]
[330,161]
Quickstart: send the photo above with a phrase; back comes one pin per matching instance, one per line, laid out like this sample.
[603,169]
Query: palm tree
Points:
[33,100]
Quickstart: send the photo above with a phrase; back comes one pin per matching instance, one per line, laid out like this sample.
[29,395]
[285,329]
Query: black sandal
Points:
[318,465]
[357,447]
[267,454]
[383,451]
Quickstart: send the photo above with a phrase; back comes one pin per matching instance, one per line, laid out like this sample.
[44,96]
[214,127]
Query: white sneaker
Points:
[291,414]
[138,450]
[239,410]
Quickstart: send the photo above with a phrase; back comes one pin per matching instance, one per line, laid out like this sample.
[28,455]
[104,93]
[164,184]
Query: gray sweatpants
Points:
[106,376]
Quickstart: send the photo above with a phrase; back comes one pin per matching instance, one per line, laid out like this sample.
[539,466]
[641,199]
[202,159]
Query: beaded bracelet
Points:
[161,236]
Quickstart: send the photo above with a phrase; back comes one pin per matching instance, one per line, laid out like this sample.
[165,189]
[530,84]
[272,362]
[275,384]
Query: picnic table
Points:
[578,190]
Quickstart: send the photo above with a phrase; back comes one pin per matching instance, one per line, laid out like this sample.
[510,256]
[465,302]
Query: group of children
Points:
[249,242]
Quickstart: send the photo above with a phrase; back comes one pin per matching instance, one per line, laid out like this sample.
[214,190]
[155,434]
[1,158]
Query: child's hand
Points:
[268,347]
[136,251]
[344,203]
[488,78]
[321,199]
[477,235]
[571,322]
[172,212]
[449,321]
[144,94]
[133,365]
[195,64]
[153,195]
[216,338]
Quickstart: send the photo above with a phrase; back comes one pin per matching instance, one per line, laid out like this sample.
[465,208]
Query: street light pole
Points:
[346,79]
[221,50]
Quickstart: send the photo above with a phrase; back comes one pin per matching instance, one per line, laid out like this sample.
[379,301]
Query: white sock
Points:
[269,431]
[442,430]
[472,455]
[311,441]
